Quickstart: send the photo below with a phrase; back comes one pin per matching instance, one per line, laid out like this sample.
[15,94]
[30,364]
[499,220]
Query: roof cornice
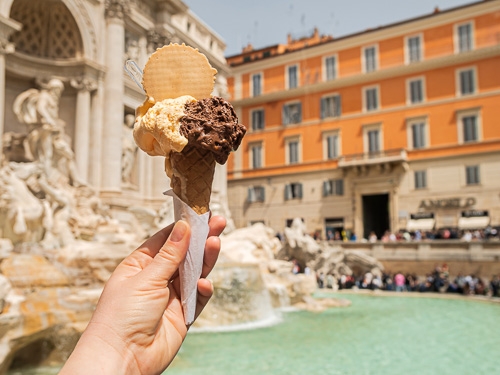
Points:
[371,36]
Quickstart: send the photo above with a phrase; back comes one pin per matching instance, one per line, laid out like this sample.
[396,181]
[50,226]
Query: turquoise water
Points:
[376,335]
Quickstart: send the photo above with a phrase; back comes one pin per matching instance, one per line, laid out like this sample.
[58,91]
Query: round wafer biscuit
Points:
[175,70]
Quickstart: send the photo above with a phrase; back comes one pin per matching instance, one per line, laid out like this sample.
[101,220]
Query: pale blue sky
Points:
[268,22]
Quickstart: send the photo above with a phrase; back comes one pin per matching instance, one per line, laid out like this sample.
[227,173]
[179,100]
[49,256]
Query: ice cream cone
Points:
[181,121]
[192,176]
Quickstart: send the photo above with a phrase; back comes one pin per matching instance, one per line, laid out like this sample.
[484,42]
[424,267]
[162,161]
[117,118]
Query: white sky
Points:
[267,22]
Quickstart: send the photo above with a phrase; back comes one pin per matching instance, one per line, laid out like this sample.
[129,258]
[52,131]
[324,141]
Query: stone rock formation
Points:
[323,257]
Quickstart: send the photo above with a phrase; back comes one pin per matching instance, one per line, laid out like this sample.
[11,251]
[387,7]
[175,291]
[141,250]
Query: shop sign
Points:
[430,204]
[422,215]
[475,213]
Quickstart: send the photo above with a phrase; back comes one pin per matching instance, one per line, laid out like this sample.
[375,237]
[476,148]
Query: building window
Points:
[331,106]
[420,179]
[293,191]
[331,145]
[256,194]
[469,124]
[416,91]
[292,113]
[472,175]
[467,81]
[373,140]
[370,59]
[293,151]
[293,76]
[464,37]
[333,187]
[256,155]
[417,130]
[371,99]
[256,84]
[330,68]
[258,119]
[414,49]
[418,135]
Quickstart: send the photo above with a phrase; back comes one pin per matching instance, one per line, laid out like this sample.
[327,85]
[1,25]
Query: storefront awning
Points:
[420,224]
[475,222]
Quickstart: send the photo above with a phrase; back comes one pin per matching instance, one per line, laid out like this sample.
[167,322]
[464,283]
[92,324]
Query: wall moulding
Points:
[25,66]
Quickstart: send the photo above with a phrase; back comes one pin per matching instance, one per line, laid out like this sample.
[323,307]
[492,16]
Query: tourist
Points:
[400,282]
[467,236]
[138,324]
[372,237]
[330,281]
[495,286]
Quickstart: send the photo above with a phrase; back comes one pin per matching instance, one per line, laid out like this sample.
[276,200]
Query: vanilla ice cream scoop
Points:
[157,126]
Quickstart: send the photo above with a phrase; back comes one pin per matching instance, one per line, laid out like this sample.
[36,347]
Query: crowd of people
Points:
[437,281]
[488,233]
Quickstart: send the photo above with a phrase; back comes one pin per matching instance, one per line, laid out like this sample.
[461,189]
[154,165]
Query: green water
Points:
[375,335]
[379,335]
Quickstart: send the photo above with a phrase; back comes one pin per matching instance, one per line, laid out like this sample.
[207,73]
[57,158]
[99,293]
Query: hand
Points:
[138,325]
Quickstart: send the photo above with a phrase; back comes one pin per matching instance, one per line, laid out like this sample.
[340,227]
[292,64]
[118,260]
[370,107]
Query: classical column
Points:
[113,95]
[82,124]
[96,126]
[7,27]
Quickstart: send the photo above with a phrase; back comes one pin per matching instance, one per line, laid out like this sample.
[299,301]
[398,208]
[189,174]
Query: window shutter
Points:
[323,108]
[326,188]
[288,192]
[285,114]
[251,195]
[339,187]
[299,190]
[338,106]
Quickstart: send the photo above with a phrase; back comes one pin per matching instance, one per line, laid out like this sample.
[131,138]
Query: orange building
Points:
[388,129]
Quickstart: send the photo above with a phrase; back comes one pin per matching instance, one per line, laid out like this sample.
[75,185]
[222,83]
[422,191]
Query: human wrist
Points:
[99,352]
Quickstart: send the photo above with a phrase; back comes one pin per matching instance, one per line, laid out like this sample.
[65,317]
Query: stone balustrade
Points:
[438,250]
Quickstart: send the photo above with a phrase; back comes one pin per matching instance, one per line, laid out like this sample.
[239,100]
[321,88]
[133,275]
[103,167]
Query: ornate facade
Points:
[84,44]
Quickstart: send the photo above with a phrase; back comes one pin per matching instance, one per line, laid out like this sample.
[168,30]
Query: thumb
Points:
[166,262]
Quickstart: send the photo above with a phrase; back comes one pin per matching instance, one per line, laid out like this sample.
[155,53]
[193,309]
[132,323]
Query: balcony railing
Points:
[371,158]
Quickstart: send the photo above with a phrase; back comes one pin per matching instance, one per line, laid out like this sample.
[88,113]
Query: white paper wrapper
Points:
[190,269]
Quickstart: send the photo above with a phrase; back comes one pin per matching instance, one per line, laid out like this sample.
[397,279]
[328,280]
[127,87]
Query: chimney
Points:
[248,48]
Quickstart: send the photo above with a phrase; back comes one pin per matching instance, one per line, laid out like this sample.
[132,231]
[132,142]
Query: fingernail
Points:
[178,232]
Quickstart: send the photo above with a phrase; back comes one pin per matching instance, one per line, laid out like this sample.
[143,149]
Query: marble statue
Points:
[47,142]
[129,150]
[322,257]
[39,109]
[42,200]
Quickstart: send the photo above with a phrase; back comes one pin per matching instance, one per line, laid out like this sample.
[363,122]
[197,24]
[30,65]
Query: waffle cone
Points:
[192,177]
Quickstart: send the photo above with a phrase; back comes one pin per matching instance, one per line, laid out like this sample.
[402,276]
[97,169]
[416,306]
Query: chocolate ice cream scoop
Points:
[212,124]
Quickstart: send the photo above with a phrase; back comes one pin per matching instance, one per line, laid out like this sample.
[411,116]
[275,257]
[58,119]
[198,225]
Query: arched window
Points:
[49,30]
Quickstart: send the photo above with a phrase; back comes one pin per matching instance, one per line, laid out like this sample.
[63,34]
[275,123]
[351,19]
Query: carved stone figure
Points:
[129,150]
[46,142]
[321,257]
[39,109]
